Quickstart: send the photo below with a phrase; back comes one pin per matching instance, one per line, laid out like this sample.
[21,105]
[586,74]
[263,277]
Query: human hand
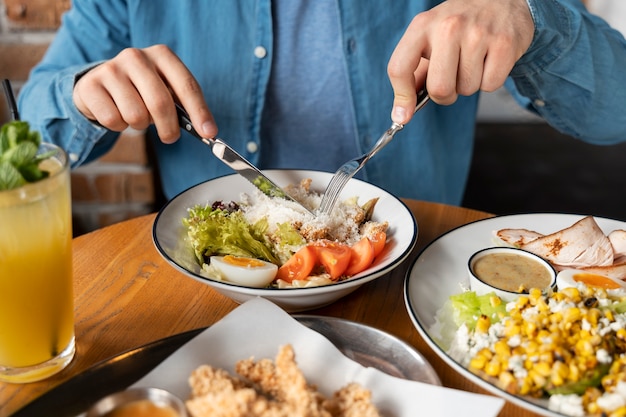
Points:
[137,88]
[458,48]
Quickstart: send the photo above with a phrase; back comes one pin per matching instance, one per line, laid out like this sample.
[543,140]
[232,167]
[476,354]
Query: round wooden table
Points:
[126,296]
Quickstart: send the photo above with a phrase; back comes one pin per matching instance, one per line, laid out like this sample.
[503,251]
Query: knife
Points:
[230,157]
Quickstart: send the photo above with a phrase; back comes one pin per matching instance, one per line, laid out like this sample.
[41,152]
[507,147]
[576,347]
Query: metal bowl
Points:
[155,396]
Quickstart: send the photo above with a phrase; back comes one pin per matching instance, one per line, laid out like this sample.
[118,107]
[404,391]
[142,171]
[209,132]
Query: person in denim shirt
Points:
[309,85]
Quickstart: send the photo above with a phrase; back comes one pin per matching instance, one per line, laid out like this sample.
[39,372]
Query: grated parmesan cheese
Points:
[342,225]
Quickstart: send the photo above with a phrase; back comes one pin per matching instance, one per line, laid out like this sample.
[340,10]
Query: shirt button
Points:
[252,147]
[351,45]
[539,103]
[260,52]
[73,157]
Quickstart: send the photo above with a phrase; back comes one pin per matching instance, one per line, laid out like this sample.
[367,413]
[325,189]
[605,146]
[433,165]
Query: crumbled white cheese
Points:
[571,405]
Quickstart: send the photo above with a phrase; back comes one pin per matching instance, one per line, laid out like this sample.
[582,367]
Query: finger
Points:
[143,97]
[443,65]
[94,101]
[497,66]
[471,64]
[187,91]
[401,70]
[124,90]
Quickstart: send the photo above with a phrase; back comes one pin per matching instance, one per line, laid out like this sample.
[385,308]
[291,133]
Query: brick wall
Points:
[116,187]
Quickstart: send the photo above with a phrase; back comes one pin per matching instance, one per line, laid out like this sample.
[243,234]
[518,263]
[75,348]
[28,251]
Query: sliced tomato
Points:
[378,240]
[299,266]
[362,256]
[334,257]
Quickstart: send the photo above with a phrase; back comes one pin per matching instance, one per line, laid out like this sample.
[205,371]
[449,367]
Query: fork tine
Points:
[333,189]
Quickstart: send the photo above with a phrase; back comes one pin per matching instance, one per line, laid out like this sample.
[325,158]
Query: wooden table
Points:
[126,295]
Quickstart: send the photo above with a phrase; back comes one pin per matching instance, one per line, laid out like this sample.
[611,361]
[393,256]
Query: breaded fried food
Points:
[271,389]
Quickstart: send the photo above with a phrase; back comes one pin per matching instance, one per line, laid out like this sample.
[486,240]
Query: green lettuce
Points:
[469,306]
[213,231]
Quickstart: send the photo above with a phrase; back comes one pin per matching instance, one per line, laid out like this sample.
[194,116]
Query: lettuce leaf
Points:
[469,306]
[213,231]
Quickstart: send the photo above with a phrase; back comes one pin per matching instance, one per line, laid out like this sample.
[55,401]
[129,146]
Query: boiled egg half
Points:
[574,277]
[241,270]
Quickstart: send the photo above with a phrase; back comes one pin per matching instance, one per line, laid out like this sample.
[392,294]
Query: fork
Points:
[350,168]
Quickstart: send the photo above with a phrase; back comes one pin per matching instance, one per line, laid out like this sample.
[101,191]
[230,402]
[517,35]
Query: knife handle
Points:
[185,122]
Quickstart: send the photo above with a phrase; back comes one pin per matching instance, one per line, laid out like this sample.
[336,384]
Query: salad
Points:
[282,244]
[568,346]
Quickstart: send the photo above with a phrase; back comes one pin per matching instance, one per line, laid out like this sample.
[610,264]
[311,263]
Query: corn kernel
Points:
[502,349]
[559,374]
[572,314]
[493,367]
[522,302]
[483,323]
[478,362]
[592,316]
[543,369]
[571,293]
[507,381]
[619,412]
[495,301]
[538,380]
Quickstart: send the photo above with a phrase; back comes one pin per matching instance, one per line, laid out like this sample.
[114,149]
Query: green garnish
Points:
[267,187]
[19,162]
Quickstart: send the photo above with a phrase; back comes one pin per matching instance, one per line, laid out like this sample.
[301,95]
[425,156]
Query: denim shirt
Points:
[572,75]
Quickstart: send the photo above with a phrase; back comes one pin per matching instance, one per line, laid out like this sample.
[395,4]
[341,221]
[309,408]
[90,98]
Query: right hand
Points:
[458,48]
[137,88]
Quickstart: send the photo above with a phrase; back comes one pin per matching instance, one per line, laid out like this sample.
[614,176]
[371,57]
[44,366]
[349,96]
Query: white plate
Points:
[440,271]
[169,236]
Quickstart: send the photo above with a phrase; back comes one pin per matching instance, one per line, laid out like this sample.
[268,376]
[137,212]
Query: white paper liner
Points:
[258,328]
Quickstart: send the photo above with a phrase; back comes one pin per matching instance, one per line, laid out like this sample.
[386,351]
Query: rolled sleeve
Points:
[568,74]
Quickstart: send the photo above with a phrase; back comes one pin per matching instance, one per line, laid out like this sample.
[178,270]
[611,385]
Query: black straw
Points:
[8,91]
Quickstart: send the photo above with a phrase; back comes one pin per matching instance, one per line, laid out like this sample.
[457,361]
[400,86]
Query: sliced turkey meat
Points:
[618,241]
[580,245]
[517,237]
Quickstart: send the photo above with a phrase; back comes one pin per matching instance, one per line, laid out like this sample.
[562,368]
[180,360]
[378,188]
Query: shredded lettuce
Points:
[465,308]
[288,235]
[214,231]
[469,306]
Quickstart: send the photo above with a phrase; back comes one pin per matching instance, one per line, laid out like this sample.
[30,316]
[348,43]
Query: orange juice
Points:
[36,298]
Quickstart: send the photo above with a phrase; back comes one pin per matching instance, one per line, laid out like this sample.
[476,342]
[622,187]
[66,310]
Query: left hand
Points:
[458,48]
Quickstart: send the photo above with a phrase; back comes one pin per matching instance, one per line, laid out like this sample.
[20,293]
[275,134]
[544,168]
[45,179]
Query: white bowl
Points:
[481,287]
[169,236]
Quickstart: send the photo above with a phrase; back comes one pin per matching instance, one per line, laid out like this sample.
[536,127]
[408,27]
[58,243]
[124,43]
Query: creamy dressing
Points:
[511,272]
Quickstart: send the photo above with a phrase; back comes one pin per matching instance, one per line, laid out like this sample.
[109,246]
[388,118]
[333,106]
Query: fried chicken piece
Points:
[268,389]
[352,401]
[285,382]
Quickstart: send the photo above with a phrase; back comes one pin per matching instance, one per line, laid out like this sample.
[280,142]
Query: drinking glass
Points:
[36,296]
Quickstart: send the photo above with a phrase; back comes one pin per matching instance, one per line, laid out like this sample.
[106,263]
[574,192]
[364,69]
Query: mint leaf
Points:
[19,162]
[20,154]
[10,177]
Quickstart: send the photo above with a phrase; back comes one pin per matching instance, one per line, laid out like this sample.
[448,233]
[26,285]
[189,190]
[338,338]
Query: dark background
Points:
[530,167]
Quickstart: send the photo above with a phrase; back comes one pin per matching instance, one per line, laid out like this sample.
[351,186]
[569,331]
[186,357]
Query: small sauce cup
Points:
[509,272]
[139,402]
